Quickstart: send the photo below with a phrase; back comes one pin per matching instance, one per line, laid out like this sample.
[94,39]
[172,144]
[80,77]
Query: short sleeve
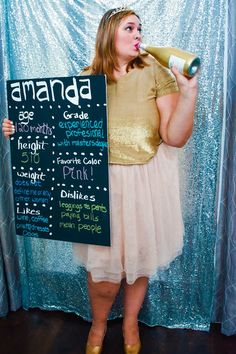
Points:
[165,81]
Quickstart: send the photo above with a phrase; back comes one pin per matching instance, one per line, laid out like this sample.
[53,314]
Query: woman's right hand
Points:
[8,127]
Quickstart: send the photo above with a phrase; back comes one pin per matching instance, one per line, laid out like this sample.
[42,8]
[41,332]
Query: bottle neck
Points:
[143,46]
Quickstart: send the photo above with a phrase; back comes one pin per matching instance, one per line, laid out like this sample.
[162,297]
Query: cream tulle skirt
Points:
[146,221]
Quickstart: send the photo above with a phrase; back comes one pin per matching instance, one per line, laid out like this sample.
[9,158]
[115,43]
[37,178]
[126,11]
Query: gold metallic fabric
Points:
[133,118]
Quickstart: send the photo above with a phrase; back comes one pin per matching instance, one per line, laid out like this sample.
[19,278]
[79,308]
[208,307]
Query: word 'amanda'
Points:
[42,90]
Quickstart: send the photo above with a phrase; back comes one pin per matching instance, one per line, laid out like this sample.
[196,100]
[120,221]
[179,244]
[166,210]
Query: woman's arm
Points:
[177,111]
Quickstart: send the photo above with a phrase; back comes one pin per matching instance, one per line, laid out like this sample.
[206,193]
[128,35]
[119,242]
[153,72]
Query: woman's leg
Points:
[102,296]
[133,300]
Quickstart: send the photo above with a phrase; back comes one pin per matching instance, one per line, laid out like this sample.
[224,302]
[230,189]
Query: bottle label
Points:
[177,62]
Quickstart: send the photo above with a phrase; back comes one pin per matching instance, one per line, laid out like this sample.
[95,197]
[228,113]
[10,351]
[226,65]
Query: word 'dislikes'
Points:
[49,90]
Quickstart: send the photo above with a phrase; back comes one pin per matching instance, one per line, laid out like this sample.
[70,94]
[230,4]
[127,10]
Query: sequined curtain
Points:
[48,38]
[10,290]
[225,298]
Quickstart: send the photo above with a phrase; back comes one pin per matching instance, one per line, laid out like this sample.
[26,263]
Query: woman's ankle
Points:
[97,333]
[99,324]
[130,331]
[130,322]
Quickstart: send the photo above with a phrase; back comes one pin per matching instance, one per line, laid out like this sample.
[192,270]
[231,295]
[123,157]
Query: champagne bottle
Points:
[186,63]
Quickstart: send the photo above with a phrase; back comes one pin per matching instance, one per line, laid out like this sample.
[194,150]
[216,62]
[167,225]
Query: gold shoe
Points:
[132,348]
[93,349]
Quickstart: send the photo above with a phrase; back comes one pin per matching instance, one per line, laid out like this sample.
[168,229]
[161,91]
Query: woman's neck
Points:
[121,70]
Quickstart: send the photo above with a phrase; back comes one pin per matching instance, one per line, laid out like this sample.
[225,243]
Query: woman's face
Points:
[128,37]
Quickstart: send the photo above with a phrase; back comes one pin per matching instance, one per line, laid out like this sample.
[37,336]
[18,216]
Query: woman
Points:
[149,115]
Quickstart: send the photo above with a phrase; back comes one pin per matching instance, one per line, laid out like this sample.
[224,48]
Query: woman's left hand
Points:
[187,86]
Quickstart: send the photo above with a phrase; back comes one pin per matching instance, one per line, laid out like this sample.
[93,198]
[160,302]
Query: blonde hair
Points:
[105,59]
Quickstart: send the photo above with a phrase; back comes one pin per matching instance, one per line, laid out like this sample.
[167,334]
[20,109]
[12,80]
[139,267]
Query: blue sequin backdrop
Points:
[56,38]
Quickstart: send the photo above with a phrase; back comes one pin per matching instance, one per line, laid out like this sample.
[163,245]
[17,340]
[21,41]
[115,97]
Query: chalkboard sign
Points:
[60,158]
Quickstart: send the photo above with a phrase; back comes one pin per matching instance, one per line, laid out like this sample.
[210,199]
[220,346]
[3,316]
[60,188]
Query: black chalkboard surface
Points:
[60,158]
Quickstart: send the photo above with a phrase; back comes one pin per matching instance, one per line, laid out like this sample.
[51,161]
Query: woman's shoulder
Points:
[157,69]
[85,71]
[152,62]
[153,66]
[148,59]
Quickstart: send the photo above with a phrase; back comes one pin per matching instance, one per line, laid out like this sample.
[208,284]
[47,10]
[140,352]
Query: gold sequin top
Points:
[133,118]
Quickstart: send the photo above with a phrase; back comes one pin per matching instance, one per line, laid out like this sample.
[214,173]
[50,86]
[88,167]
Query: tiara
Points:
[117,10]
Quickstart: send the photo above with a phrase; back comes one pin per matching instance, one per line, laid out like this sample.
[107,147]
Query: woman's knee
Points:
[104,288]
